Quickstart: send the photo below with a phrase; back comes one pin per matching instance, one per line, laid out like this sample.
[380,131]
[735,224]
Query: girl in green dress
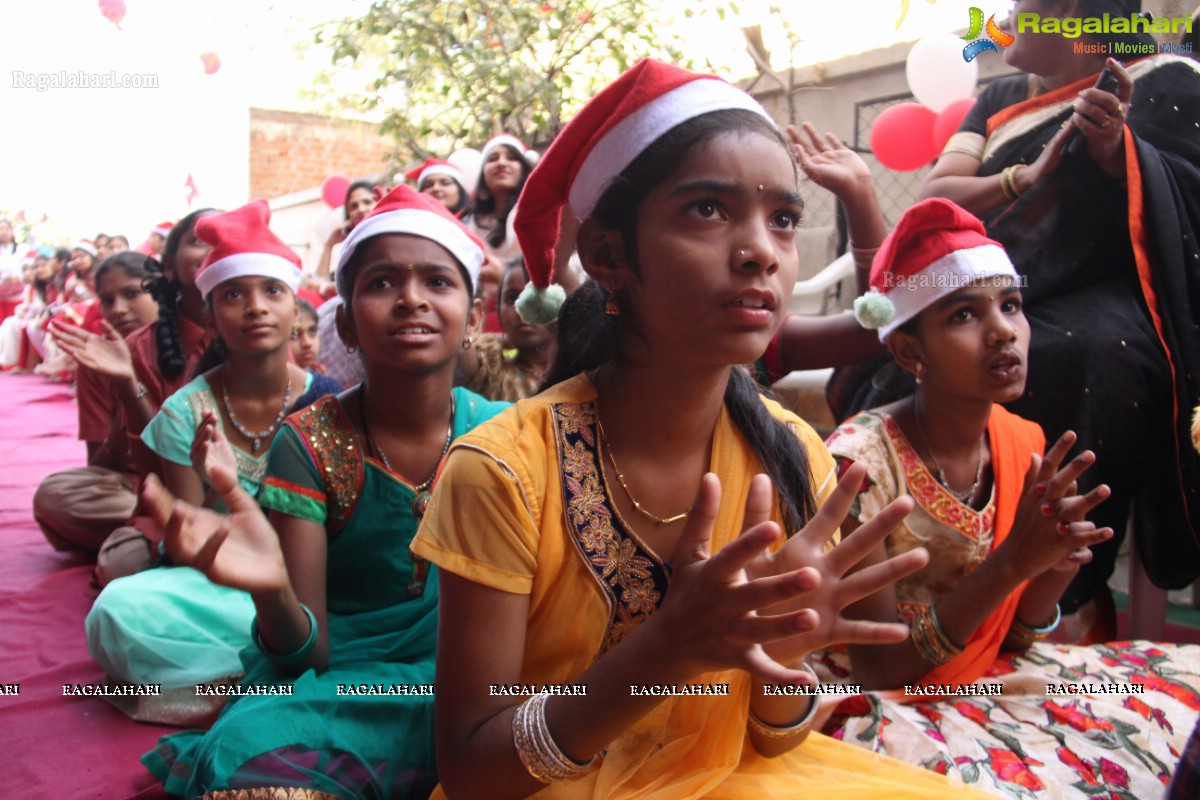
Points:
[338,693]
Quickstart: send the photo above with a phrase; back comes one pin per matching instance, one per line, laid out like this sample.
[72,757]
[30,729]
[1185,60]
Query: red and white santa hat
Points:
[605,136]
[87,246]
[242,246]
[163,229]
[504,139]
[935,249]
[29,258]
[432,167]
[405,210]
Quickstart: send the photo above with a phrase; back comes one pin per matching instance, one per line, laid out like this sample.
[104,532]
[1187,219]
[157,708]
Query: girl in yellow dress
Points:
[621,612]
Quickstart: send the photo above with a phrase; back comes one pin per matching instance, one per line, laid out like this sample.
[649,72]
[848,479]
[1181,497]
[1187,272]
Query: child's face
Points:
[519,333]
[188,258]
[410,307]
[28,271]
[975,343]
[716,254]
[253,314]
[442,188]
[305,345]
[82,261]
[123,302]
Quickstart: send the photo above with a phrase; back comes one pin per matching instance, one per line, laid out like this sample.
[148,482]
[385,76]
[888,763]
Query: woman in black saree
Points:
[1105,233]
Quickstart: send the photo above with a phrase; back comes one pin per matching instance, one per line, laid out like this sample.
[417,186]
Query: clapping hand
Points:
[211,448]
[240,550]
[749,608]
[1050,531]
[838,585]
[107,354]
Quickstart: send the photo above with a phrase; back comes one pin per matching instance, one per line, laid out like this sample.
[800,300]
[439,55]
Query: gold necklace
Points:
[965,495]
[621,478]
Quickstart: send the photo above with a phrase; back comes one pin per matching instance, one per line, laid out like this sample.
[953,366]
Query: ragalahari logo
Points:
[995,36]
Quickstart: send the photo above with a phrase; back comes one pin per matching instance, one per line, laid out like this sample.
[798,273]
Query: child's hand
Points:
[829,163]
[747,608]
[1049,531]
[240,551]
[107,354]
[838,586]
[210,448]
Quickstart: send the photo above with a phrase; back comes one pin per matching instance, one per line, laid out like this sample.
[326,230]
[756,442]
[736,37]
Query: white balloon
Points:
[468,160]
[937,73]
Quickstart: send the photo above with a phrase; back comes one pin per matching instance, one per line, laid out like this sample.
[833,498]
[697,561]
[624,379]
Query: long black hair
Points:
[588,338]
[485,201]
[133,265]
[165,291]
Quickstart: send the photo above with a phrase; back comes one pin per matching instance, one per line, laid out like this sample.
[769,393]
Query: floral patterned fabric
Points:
[1106,721]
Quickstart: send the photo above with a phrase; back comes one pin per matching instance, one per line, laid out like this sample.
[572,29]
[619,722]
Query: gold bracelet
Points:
[800,728]
[1006,185]
[930,639]
[1026,635]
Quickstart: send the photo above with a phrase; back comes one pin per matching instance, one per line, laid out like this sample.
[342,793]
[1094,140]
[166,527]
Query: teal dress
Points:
[364,726]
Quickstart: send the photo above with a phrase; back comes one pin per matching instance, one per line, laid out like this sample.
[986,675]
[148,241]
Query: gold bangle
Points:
[930,639]
[1006,184]
[799,728]
[1027,634]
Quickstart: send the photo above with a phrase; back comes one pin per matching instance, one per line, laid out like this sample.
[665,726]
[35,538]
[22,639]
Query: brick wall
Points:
[290,152]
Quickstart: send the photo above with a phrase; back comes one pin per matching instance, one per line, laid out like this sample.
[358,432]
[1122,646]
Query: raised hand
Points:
[107,354]
[240,550]
[1049,531]
[827,161]
[211,448]
[837,586]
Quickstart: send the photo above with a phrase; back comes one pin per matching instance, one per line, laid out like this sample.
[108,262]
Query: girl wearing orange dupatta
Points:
[568,609]
[1005,529]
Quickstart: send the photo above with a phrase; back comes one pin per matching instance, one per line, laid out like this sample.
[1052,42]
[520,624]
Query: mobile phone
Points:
[1106,81]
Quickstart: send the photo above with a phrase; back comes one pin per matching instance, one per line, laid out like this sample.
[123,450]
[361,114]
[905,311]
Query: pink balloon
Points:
[113,11]
[211,61]
[902,137]
[948,120]
[333,190]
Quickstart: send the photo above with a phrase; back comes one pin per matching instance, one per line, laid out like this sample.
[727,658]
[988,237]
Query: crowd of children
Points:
[504,467]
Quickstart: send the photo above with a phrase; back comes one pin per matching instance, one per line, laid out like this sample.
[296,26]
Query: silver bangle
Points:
[536,748]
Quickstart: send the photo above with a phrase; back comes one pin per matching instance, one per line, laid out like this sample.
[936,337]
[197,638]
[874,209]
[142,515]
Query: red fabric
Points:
[54,746]
[98,404]
[144,349]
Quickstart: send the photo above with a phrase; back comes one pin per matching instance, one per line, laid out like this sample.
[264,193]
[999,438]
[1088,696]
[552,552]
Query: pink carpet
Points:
[53,746]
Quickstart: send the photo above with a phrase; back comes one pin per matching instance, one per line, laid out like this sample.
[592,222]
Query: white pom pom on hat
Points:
[935,249]
[601,140]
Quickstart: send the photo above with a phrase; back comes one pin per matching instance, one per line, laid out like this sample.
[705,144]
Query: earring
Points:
[612,308]
[919,367]
[467,342]
[351,349]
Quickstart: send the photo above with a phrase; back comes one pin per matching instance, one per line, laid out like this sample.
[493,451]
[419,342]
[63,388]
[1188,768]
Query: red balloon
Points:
[113,11]
[902,137]
[333,190]
[211,61]
[948,120]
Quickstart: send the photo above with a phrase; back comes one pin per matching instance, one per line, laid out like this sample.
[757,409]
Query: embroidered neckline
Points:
[632,577]
[935,498]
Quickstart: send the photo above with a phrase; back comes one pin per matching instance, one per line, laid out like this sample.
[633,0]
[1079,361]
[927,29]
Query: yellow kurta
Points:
[522,508]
